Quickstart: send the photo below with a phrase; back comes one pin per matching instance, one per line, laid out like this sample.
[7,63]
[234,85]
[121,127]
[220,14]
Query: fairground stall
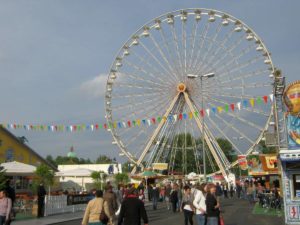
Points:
[290,156]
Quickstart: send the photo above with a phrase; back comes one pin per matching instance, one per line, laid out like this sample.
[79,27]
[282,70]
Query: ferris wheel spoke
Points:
[194,34]
[241,66]
[245,76]
[136,86]
[167,46]
[184,45]
[227,52]
[195,150]
[176,43]
[209,49]
[223,134]
[221,45]
[165,58]
[167,71]
[203,35]
[140,78]
[140,69]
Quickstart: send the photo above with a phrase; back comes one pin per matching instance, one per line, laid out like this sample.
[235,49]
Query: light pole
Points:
[193,76]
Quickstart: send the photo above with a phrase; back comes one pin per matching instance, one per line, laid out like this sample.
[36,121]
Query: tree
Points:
[2,178]
[103,159]
[44,174]
[23,139]
[99,178]
[227,148]
[50,159]
[121,178]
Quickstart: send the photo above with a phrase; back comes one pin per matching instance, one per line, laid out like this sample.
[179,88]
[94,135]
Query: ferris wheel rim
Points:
[204,11]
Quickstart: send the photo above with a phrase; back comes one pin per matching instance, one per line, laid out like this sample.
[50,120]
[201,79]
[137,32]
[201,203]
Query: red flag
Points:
[232,107]
[202,112]
[180,116]
[15,126]
[105,126]
[129,123]
[265,98]
[74,127]
[31,127]
[153,120]
[97,126]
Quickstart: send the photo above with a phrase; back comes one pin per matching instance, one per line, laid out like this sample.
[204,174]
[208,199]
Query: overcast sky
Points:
[55,56]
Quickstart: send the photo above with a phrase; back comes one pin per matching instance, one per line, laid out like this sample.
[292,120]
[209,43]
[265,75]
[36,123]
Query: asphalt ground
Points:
[235,212]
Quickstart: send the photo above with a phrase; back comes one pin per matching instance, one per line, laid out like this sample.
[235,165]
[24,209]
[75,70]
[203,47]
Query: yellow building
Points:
[12,149]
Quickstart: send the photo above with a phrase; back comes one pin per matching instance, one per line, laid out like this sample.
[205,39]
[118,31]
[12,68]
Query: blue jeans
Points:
[212,221]
[154,203]
[2,220]
[200,219]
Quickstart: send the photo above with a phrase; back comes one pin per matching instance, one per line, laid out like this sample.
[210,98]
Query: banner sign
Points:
[269,163]
[160,166]
[78,199]
[292,101]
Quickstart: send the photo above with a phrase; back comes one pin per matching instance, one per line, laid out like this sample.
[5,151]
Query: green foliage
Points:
[265,149]
[64,160]
[44,174]
[121,178]
[2,178]
[99,178]
[103,159]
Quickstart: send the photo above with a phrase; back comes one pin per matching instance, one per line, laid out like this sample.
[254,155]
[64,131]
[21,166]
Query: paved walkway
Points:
[236,212]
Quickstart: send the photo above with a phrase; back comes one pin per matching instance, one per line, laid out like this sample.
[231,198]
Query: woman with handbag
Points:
[187,205]
[5,208]
[95,209]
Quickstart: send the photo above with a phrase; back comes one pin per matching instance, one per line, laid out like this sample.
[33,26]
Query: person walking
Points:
[93,210]
[212,206]
[5,208]
[174,197]
[155,196]
[132,210]
[187,205]
[111,198]
[231,190]
[199,204]
[167,196]
[12,195]
[250,193]
[238,190]
[41,193]
[225,190]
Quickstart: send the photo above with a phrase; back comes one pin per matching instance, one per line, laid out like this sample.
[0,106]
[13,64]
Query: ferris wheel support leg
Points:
[155,133]
[212,149]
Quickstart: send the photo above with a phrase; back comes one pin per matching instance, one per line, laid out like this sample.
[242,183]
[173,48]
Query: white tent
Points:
[18,169]
[78,172]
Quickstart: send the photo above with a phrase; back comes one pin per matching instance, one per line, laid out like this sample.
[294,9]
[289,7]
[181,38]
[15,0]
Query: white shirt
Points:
[199,202]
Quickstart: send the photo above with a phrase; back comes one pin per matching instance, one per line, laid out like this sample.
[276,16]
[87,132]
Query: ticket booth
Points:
[290,157]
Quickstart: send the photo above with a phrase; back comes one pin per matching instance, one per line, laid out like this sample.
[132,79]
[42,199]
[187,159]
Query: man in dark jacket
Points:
[132,210]
[155,196]
[41,200]
[174,197]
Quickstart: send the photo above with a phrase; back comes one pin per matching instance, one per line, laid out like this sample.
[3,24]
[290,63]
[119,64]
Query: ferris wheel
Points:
[190,60]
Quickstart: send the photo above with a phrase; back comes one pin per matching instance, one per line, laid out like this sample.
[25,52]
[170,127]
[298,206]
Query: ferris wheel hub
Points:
[181,87]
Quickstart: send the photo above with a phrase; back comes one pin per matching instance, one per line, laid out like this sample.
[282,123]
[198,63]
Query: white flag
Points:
[238,105]
[92,127]
[207,112]
[124,124]
[149,122]
[271,97]
[175,117]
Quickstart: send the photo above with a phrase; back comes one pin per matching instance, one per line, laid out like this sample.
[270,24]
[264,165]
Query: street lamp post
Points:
[193,76]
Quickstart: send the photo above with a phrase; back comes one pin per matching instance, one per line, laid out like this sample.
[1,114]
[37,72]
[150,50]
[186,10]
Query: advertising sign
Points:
[243,162]
[160,166]
[255,165]
[292,101]
[269,163]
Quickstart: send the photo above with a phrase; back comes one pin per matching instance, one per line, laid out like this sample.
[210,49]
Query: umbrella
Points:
[18,169]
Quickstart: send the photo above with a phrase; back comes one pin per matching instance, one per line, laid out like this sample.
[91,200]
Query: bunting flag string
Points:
[226,108]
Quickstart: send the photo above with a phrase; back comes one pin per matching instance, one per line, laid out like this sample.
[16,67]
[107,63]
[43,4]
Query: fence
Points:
[59,204]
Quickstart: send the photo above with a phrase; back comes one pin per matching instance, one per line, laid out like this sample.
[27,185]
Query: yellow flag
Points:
[138,121]
[190,115]
[252,102]
[220,109]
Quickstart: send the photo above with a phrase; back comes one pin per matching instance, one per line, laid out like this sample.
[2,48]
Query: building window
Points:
[9,155]
[296,185]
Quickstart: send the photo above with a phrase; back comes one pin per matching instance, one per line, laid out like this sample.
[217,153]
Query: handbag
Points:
[221,220]
[103,217]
